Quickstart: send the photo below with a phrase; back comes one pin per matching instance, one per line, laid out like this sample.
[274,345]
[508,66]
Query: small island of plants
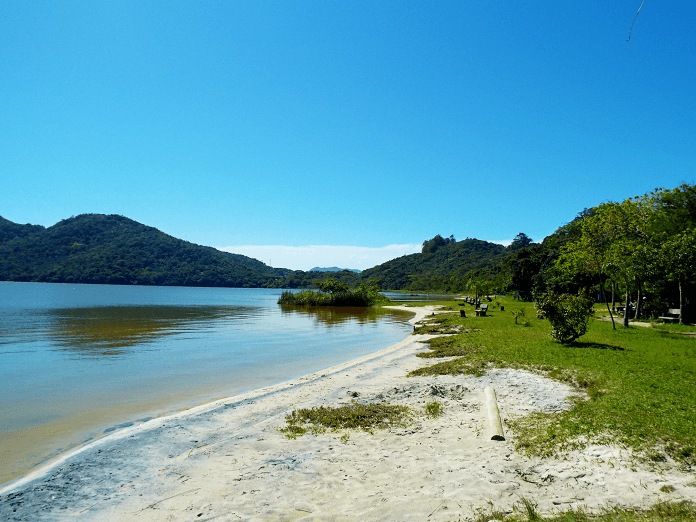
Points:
[335,293]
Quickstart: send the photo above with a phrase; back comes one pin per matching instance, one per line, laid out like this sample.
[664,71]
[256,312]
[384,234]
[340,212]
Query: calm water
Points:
[414,296]
[79,360]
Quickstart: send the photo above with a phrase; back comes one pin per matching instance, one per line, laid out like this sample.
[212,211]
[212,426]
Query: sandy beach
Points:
[228,460]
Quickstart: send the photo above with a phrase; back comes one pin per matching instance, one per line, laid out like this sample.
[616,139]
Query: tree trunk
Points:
[613,300]
[613,324]
[681,311]
[625,317]
[638,303]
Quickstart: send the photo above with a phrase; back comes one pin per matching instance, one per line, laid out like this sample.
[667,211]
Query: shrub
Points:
[335,293]
[569,315]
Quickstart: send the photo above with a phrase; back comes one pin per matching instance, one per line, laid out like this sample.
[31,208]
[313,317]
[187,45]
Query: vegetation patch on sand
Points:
[439,324]
[526,511]
[355,416]
[638,381]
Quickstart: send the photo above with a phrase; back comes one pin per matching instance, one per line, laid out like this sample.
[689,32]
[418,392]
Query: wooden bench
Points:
[672,315]
[481,312]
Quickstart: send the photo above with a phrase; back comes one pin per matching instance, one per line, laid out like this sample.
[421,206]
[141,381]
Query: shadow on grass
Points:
[596,346]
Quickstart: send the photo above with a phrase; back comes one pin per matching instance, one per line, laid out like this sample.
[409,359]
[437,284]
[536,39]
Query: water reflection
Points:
[76,359]
[116,330]
[413,297]
[336,315]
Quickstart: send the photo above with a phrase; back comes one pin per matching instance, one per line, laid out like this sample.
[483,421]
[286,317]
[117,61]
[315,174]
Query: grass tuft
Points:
[433,409]
[350,416]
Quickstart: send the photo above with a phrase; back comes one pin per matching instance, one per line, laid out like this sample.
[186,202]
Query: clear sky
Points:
[248,124]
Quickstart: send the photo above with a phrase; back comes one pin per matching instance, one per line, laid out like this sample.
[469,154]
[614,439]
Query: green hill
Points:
[101,249]
[441,265]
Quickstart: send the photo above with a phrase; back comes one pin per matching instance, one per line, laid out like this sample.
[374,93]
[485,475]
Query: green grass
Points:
[433,409]
[349,416]
[640,381]
[675,327]
[438,324]
[526,511]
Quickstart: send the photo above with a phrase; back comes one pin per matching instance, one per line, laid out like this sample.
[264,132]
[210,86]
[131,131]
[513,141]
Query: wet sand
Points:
[227,460]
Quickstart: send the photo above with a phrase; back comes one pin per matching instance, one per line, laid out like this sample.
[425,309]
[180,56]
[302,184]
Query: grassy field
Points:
[640,381]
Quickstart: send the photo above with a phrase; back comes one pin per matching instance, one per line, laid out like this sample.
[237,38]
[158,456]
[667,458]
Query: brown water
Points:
[79,360]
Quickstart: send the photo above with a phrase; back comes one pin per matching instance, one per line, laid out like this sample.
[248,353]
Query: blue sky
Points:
[341,124]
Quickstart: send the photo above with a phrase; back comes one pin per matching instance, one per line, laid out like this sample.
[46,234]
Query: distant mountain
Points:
[101,249]
[10,230]
[112,249]
[442,265]
[334,269]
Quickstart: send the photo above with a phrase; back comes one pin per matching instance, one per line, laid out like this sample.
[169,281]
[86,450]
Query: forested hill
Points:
[442,265]
[10,230]
[101,249]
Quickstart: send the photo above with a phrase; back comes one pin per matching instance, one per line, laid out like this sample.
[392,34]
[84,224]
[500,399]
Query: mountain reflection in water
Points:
[78,360]
[335,315]
[116,330]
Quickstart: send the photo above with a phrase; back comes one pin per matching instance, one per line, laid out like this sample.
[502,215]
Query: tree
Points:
[521,240]
[610,246]
[569,315]
[522,267]
[431,245]
[480,282]
[680,260]
[331,286]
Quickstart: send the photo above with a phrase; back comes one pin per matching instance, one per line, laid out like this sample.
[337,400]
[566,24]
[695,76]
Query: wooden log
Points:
[493,414]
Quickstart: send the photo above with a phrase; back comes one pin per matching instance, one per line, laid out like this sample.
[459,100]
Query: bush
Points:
[569,315]
[336,294]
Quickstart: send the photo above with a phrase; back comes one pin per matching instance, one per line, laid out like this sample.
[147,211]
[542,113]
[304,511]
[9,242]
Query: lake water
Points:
[77,361]
[417,296]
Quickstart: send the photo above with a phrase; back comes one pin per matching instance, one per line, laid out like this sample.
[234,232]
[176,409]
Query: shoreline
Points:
[75,375]
[138,425]
[226,460]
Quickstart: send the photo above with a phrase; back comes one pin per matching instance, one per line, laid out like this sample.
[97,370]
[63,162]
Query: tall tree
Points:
[680,260]
[609,246]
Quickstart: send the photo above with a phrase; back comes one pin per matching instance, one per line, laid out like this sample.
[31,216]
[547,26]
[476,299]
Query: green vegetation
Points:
[433,409]
[300,279]
[439,324]
[638,380]
[355,416]
[442,266]
[335,293]
[643,249]
[569,315]
[526,511]
[94,248]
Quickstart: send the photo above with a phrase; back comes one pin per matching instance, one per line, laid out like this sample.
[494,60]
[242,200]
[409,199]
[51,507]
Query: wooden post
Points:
[493,414]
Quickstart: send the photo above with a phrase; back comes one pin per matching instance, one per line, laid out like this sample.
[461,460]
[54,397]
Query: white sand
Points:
[228,461]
